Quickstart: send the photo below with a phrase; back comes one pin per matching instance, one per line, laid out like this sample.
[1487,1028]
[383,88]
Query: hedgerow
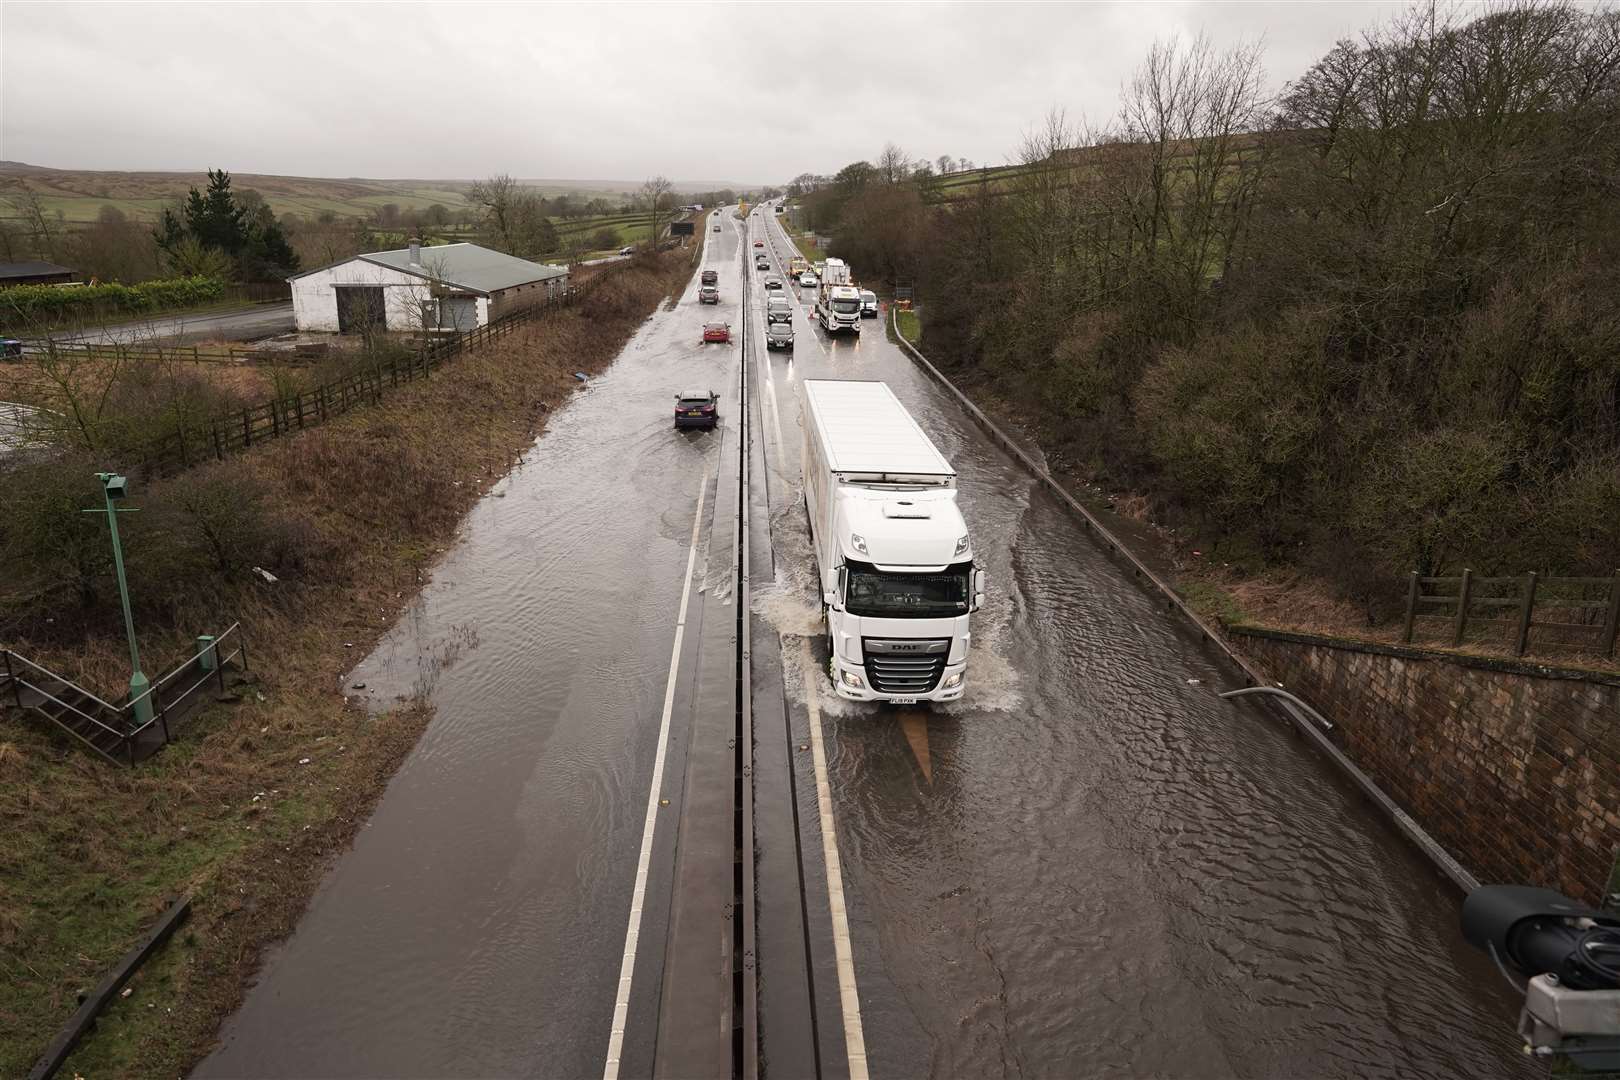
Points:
[55,303]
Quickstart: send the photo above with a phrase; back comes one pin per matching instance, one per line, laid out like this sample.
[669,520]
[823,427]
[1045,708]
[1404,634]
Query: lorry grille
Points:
[904,667]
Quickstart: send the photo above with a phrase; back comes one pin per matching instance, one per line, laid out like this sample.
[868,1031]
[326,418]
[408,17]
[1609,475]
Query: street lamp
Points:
[115,488]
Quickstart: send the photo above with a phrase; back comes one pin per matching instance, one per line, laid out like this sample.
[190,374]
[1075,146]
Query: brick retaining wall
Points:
[1514,768]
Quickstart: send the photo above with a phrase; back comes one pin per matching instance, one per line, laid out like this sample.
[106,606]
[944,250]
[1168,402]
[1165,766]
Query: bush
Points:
[27,304]
[46,532]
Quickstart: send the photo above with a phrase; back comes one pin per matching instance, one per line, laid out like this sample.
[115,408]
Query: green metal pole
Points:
[138,682]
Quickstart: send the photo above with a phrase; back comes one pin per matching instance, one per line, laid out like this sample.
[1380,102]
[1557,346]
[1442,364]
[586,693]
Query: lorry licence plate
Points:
[902,701]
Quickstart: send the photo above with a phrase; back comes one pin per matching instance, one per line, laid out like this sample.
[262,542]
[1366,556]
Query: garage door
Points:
[458,312]
[358,305]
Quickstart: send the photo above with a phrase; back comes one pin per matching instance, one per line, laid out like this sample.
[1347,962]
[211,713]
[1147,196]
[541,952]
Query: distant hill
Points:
[625,187]
[79,194]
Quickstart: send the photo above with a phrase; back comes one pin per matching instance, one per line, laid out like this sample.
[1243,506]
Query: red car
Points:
[717,331]
[759,243]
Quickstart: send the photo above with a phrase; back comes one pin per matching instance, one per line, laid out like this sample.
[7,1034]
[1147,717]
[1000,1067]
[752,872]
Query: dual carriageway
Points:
[641,836]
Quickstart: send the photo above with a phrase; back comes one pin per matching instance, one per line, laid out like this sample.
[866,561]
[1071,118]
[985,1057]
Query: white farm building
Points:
[446,287]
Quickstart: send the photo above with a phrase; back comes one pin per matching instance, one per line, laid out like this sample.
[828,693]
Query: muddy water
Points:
[1100,868]
[476,926]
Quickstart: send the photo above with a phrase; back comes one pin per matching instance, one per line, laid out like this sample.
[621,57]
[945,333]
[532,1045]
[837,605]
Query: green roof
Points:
[468,266]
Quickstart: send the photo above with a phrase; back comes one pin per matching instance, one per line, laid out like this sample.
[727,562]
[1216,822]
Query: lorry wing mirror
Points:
[843,579]
[829,598]
[978,589]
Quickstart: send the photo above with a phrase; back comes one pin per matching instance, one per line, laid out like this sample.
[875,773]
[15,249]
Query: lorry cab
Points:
[898,613]
[838,308]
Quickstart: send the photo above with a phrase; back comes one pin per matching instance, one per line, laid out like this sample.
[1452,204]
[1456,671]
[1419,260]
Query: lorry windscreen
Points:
[846,307]
[898,595]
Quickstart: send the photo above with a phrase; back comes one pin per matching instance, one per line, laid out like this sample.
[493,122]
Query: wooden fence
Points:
[242,428]
[1580,613]
[153,352]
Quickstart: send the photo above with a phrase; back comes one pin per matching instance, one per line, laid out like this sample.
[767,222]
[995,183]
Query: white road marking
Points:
[848,998]
[627,969]
[762,356]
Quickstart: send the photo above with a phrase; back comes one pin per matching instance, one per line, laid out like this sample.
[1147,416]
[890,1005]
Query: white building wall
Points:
[315,295]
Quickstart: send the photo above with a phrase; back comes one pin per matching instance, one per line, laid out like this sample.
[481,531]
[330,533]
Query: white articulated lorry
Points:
[838,303]
[896,566]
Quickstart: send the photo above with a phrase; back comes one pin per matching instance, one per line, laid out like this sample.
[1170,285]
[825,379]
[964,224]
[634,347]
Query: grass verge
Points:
[910,325]
[246,809]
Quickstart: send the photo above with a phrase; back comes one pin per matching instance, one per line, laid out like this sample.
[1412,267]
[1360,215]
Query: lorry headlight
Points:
[853,680]
[953,680]
[961,544]
[858,542]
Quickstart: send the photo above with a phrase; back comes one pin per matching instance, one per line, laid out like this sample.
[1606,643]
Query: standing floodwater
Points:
[477,924]
[1092,865]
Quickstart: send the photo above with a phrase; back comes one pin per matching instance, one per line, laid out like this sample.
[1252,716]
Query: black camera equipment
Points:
[1570,957]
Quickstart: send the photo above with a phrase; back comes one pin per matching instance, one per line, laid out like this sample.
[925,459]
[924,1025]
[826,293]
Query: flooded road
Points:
[1092,865]
[476,927]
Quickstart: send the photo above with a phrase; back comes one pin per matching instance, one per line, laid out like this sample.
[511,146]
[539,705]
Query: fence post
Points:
[320,401]
[1611,627]
[11,678]
[298,400]
[247,430]
[275,419]
[1525,611]
[219,451]
[1411,606]
[1462,607]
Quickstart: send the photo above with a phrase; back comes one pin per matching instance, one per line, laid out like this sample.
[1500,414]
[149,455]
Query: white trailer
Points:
[896,566]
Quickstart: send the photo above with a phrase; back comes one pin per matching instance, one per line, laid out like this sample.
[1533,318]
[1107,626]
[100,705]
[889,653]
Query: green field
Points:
[79,195]
[629,228]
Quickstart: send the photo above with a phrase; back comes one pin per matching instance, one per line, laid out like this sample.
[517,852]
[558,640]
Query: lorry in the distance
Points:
[838,308]
[838,303]
[894,560]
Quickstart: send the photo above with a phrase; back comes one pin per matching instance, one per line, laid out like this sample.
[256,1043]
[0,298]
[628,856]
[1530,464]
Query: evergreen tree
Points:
[214,218]
[244,231]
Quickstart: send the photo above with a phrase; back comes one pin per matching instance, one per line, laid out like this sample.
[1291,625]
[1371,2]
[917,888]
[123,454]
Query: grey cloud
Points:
[741,92]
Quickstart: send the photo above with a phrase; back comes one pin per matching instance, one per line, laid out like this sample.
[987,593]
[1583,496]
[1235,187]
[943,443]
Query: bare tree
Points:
[944,164]
[657,197]
[45,228]
[423,301]
[1187,166]
[893,165]
[497,199]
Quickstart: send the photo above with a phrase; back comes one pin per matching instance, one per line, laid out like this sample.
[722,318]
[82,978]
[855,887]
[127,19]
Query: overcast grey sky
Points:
[750,92]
